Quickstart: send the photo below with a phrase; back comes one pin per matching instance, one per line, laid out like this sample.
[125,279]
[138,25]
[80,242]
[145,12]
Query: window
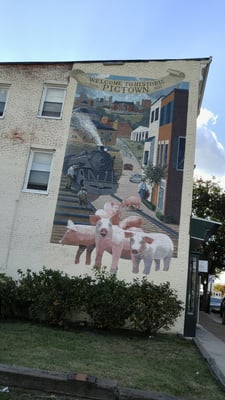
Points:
[160,153]
[165,155]
[3,97]
[52,101]
[180,153]
[38,171]
[167,113]
[146,155]
[162,116]
[160,205]
[152,116]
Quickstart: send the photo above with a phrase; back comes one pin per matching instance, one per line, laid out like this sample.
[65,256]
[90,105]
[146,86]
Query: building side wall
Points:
[27,218]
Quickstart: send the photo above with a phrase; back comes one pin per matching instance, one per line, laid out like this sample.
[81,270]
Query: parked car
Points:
[215,303]
[222,310]
[135,178]
[128,167]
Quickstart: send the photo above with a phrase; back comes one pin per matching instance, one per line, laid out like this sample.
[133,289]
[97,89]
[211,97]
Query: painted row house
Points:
[166,149]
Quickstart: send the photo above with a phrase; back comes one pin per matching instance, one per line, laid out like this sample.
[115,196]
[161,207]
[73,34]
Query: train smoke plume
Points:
[82,121]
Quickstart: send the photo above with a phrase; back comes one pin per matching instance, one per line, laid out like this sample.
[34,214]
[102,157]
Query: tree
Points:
[155,173]
[208,201]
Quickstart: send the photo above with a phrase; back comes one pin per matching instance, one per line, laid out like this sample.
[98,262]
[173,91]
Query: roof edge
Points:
[108,62]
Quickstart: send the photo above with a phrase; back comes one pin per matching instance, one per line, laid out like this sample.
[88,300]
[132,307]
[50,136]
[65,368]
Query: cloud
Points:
[205,117]
[209,153]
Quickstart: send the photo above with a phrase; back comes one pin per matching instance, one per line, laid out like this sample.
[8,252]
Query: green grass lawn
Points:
[167,364]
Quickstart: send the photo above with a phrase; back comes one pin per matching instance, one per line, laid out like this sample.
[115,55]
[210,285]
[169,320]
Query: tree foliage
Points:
[208,201]
[155,173]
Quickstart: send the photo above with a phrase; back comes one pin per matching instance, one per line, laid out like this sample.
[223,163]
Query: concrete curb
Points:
[73,384]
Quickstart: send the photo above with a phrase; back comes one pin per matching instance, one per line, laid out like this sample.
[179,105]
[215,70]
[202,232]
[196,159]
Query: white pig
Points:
[149,247]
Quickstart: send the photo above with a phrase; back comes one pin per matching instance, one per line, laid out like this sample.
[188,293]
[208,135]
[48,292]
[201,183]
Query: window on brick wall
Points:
[52,101]
[38,171]
[3,98]
[180,153]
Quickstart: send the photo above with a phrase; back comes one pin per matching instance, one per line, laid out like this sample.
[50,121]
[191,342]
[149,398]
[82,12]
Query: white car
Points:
[135,178]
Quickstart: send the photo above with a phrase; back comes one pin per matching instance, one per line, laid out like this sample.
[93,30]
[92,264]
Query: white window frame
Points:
[30,169]
[43,99]
[4,87]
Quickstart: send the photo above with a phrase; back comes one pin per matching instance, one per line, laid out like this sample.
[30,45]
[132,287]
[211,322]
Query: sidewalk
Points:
[210,340]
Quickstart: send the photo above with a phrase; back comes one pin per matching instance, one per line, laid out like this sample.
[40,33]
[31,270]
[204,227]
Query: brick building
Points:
[39,144]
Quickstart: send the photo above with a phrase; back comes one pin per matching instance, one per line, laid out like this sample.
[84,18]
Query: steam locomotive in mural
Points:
[93,169]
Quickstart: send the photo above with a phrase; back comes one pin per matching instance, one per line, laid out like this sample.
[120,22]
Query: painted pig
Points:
[131,221]
[126,251]
[132,201]
[108,237]
[82,236]
[149,247]
[111,210]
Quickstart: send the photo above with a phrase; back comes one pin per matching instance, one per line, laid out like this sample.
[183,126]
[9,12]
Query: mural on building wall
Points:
[122,175]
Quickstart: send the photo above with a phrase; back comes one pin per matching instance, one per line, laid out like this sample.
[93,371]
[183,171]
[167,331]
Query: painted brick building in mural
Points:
[79,116]
[166,149]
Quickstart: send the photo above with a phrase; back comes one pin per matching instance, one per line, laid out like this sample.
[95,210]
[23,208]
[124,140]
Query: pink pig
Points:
[132,201]
[108,237]
[111,210]
[82,236]
[131,221]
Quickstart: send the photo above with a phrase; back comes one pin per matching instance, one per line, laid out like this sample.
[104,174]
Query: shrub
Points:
[154,306]
[150,205]
[108,301]
[7,296]
[168,219]
[51,296]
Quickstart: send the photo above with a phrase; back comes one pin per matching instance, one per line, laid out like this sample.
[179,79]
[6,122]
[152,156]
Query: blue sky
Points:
[91,30]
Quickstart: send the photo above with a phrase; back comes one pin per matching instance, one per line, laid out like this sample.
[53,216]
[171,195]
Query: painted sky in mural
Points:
[121,180]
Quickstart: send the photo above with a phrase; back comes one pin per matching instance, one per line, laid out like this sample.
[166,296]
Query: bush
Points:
[149,204]
[52,297]
[108,301]
[154,306]
[168,219]
[7,296]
